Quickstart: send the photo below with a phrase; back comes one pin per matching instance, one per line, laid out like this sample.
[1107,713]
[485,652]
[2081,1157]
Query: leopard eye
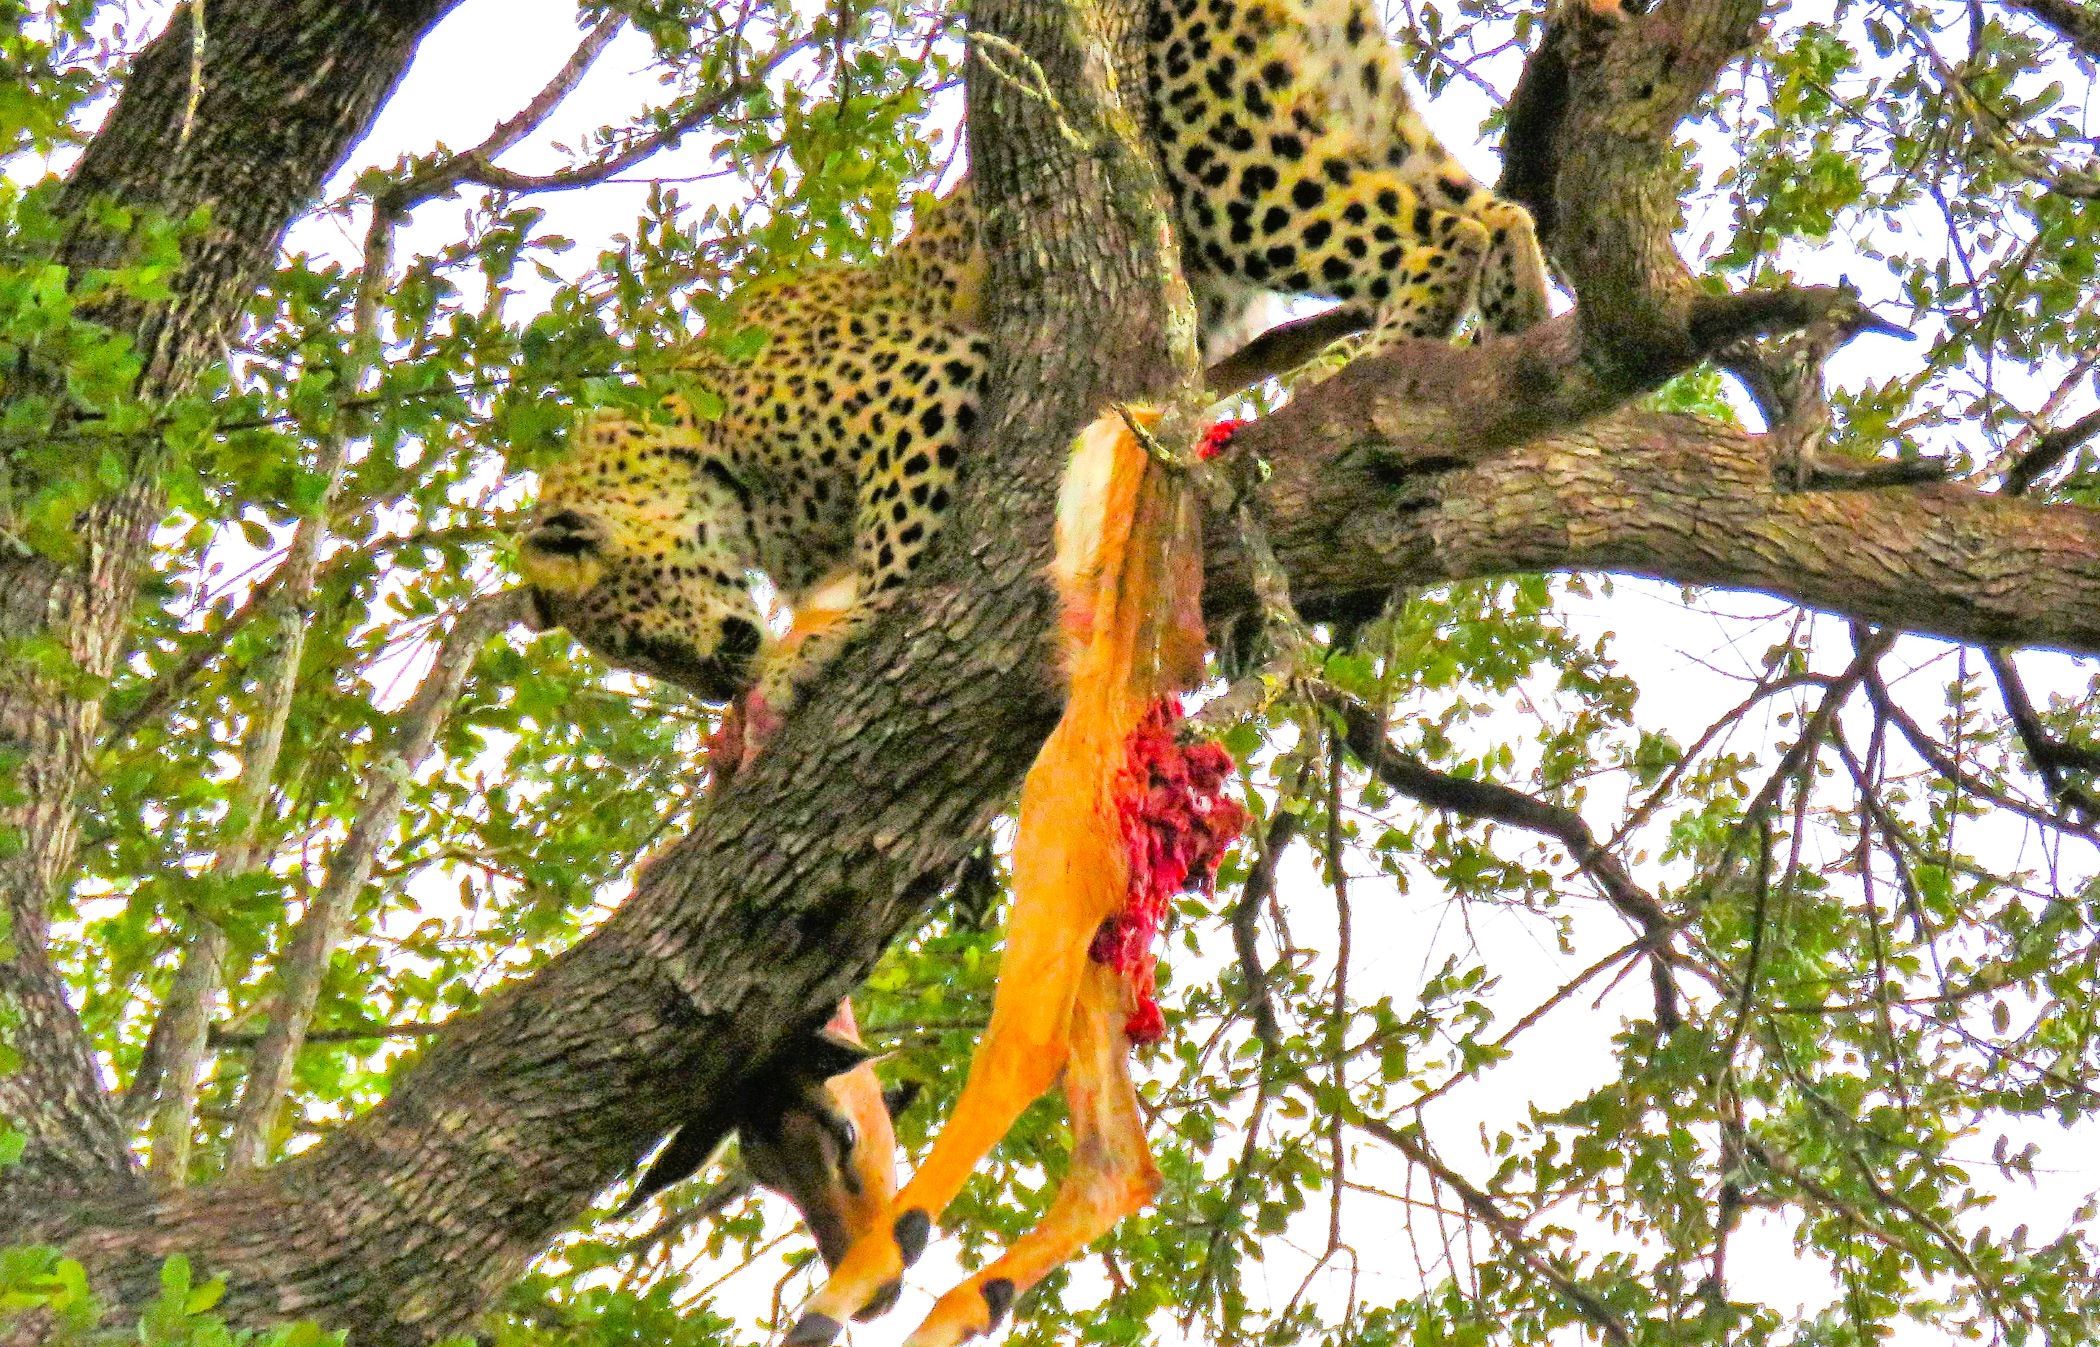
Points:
[565,533]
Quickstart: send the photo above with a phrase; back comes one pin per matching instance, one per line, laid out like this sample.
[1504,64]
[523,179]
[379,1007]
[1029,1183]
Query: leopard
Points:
[828,470]
[1298,164]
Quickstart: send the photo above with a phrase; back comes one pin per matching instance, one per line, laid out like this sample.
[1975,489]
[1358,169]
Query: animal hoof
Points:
[885,1300]
[998,1296]
[911,1231]
[964,1313]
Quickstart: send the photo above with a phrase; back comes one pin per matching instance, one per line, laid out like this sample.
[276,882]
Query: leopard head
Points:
[632,551]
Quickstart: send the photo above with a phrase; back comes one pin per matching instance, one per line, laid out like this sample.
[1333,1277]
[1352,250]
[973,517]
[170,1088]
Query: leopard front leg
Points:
[1513,285]
[912,444]
[902,502]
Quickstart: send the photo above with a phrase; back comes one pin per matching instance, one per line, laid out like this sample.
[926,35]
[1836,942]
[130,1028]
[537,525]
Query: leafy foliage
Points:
[1439,1091]
[39,1280]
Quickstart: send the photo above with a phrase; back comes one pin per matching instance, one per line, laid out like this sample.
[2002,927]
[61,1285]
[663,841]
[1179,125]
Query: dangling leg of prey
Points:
[1070,870]
[1024,1047]
[1112,1173]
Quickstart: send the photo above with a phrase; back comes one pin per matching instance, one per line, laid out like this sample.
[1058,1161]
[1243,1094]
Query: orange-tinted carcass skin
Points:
[1127,533]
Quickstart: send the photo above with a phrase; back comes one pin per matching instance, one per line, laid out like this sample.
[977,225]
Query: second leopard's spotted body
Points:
[1298,165]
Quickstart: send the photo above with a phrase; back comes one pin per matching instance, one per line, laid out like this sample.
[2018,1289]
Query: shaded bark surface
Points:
[288,87]
[1425,464]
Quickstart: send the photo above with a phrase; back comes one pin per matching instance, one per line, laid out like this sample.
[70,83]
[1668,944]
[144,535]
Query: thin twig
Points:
[619,161]
[1506,1227]
[237,1040]
[168,687]
[196,94]
[2051,756]
[1246,913]
[1338,1037]
[1418,781]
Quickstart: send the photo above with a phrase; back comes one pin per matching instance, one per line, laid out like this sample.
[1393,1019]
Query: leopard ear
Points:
[830,1053]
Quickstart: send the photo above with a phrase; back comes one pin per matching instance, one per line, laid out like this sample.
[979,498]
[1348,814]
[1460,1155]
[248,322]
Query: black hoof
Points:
[814,1330]
[885,1300]
[998,1296]
[911,1231]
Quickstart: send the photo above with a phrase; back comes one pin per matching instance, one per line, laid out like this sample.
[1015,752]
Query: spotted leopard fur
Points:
[830,466]
[1298,165]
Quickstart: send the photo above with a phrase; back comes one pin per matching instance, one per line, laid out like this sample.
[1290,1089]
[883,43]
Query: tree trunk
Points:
[288,86]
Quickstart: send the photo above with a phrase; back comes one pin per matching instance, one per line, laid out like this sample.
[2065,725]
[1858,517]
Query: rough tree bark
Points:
[287,89]
[2075,19]
[1421,465]
[1431,464]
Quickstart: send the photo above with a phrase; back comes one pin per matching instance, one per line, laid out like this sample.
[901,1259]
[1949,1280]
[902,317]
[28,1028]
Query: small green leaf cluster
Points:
[36,1280]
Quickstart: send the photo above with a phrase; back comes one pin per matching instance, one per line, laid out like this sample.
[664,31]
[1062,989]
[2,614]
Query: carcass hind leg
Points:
[1026,1045]
[1112,1173]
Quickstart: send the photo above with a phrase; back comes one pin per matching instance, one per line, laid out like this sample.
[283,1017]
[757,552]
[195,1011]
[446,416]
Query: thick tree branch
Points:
[2050,449]
[1942,761]
[1592,148]
[1439,404]
[1413,468]
[2052,757]
[1281,349]
[1591,151]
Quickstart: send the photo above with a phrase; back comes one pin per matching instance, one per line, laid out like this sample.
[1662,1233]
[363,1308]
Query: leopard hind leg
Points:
[1512,294]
